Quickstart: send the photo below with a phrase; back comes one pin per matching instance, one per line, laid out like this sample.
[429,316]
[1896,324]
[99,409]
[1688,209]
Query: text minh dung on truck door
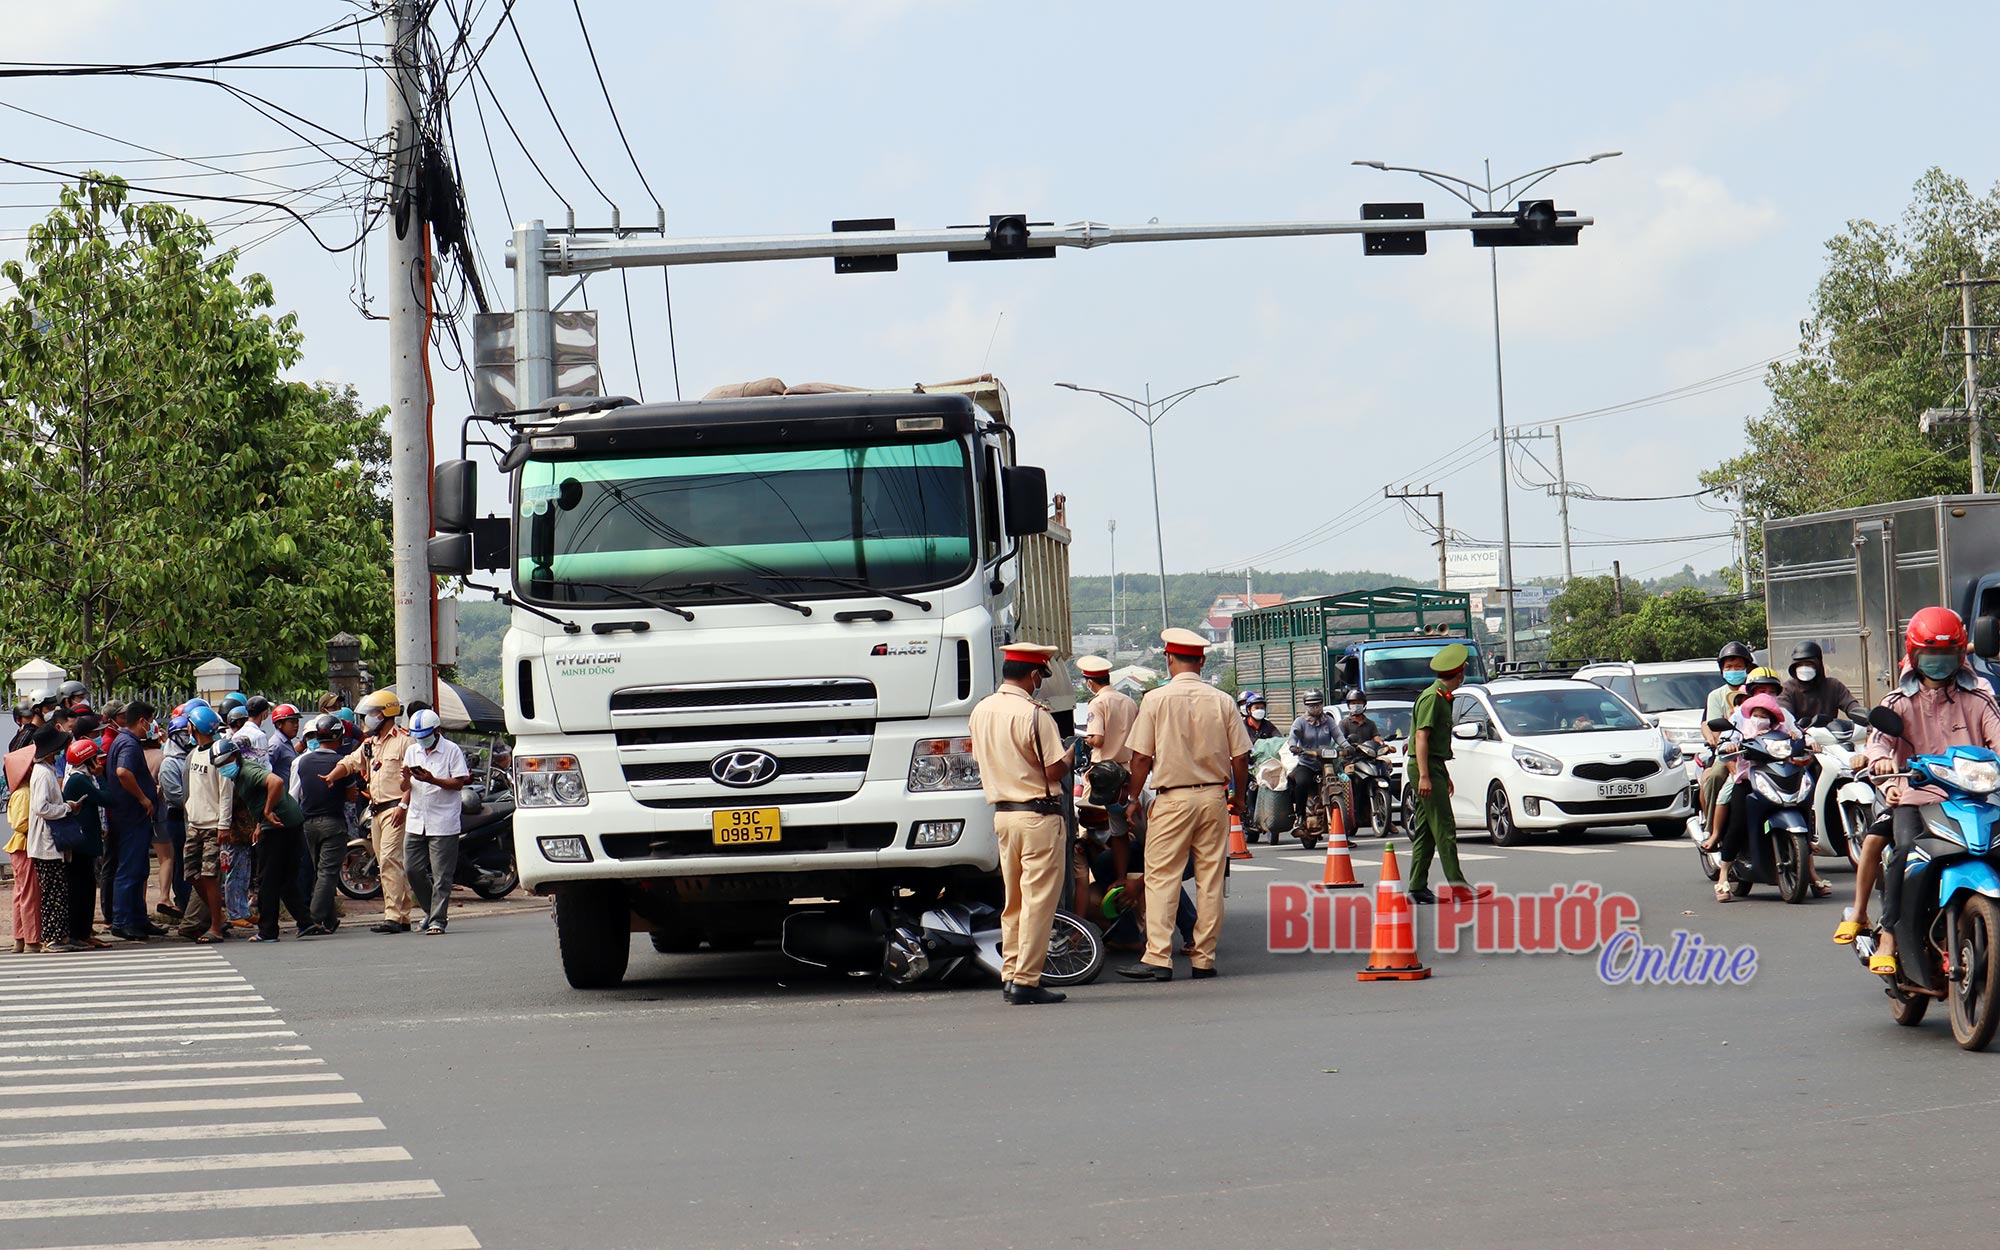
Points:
[746,638]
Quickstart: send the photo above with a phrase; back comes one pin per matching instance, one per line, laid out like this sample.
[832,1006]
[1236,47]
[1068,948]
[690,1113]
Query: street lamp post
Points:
[1149,411]
[1512,189]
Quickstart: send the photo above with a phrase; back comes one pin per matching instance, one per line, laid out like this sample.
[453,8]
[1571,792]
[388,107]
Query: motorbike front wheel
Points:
[1076,953]
[360,876]
[498,885]
[1975,982]
[1793,852]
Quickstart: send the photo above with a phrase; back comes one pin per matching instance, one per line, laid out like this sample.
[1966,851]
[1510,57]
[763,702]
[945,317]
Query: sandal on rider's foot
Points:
[1722,894]
[1822,889]
[1848,930]
[1882,964]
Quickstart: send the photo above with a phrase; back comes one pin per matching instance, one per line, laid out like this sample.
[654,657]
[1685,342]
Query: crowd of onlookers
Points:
[209,819]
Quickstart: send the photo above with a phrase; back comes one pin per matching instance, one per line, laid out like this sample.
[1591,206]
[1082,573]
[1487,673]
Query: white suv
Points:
[1673,695]
[1561,754]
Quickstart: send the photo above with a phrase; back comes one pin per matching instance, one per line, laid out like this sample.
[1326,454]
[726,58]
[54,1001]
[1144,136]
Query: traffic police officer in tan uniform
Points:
[1021,762]
[1111,713]
[1191,744]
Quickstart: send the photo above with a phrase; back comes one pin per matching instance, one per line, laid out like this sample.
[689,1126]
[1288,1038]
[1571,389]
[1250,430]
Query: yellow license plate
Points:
[743,826]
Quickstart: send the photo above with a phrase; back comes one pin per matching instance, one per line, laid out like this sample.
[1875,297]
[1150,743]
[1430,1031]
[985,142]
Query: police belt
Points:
[376,809]
[1050,806]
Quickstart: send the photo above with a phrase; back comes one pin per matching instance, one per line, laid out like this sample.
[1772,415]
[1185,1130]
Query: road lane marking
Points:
[111,961]
[94,1016]
[216,1200]
[204,1163]
[1566,850]
[183,1038]
[1251,868]
[119,1010]
[170,1082]
[89,1026]
[176,1106]
[191,1132]
[121,980]
[107,1070]
[456,1237]
[137,989]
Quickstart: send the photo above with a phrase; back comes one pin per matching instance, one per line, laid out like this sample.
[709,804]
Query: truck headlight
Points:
[1536,762]
[549,781]
[943,764]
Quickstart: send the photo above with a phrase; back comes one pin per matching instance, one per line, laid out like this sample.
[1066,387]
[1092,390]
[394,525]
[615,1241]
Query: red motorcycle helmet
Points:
[1933,628]
[82,751]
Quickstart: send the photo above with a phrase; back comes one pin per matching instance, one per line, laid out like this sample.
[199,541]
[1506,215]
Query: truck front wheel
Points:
[594,933]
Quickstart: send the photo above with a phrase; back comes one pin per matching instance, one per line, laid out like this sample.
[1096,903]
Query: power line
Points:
[57,69]
[508,17]
[532,162]
[613,108]
[219,199]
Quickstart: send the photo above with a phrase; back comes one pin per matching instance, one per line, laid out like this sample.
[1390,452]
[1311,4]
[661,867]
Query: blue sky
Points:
[1751,133]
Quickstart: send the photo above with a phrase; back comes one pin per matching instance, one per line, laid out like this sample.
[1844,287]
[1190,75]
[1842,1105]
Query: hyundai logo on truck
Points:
[743,768]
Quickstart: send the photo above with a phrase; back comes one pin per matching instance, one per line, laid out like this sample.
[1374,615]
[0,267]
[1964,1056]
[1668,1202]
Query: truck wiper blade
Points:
[738,588]
[643,600]
[864,587]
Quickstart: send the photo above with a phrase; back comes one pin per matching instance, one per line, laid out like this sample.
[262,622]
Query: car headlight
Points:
[1684,736]
[549,781]
[1536,762]
[943,764]
[1975,776]
[1670,754]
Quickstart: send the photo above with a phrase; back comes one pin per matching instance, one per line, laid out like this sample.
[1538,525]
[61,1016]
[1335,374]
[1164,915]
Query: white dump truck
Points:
[747,634]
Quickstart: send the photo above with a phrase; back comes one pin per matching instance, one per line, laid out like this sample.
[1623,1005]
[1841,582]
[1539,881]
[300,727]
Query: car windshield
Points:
[1393,722]
[1408,668]
[1531,712]
[716,525]
[1674,692]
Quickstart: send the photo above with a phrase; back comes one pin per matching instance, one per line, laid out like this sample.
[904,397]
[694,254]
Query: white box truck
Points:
[747,633]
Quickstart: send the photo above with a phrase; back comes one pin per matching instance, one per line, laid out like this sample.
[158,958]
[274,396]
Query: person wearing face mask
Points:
[1356,729]
[1021,762]
[1256,720]
[1737,814]
[378,762]
[1814,697]
[1943,704]
[1734,660]
[280,838]
[207,796]
[1314,736]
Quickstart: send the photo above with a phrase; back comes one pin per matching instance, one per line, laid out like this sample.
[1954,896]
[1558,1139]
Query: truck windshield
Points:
[1408,667]
[894,516]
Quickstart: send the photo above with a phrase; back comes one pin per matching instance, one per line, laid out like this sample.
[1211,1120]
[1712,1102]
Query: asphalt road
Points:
[739,1101]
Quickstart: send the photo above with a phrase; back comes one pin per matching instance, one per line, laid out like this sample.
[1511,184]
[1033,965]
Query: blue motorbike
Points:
[1948,936]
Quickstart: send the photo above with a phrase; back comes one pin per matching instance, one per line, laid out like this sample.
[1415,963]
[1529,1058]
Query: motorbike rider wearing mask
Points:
[1314,736]
[1734,660]
[1355,729]
[1943,704]
[1814,697]
[1256,721]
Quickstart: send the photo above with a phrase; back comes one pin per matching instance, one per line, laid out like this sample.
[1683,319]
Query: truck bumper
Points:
[873,830]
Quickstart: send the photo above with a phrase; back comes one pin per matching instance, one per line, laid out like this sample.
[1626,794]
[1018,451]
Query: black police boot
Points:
[1029,995]
[1146,972]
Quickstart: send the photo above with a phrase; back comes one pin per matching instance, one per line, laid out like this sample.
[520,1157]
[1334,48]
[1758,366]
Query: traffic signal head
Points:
[1538,224]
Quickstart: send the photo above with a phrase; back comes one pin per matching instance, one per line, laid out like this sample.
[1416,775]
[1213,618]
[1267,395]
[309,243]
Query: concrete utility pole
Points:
[1112,526]
[409,340]
[1965,285]
[1407,494]
[1562,493]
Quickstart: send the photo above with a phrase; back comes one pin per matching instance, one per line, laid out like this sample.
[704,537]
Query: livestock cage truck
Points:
[746,637]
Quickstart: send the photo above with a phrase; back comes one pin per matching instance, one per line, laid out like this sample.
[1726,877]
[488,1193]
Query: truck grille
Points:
[819,731]
[1630,770]
[872,836]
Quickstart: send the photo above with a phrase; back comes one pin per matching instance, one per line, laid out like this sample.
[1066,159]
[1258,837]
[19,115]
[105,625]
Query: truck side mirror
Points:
[454,495]
[449,555]
[1024,497]
[1986,637]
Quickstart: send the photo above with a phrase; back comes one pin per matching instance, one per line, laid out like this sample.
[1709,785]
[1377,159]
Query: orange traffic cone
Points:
[1395,956]
[1339,873]
[1238,848]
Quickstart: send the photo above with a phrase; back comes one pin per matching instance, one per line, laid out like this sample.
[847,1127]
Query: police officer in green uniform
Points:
[1435,830]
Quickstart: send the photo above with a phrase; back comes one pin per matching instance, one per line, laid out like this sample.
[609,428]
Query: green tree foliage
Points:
[165,493]
[1681,624]
[1841,428]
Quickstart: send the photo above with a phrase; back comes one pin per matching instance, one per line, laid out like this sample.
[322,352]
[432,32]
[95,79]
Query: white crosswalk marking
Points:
[176,1082]
[204,1163]
[456,1237]
[93,1046]
[1569,850]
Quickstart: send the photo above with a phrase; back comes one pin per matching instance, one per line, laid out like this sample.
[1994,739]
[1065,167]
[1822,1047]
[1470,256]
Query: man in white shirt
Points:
[435,771]
[251,734]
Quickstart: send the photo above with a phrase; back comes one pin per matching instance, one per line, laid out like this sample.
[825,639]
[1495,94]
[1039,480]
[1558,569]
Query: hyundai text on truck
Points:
[746,636]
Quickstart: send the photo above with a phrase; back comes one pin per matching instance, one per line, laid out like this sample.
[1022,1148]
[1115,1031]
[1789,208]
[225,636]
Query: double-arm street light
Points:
[1150,410]
[1501,193]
